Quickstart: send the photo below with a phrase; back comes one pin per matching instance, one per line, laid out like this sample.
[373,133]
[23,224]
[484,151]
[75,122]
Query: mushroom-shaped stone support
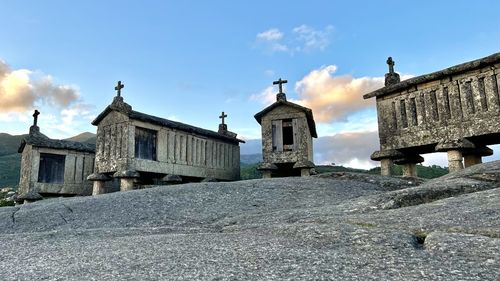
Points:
[386,158]
[409,163]
[99,182]
[267,169]
[30,196]
[209,179]
[474,156]
[454,148]
[305,167]
[172,179]
[126,179]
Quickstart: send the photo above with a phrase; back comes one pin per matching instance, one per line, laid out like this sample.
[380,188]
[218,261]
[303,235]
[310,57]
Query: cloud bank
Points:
[21,89]
[347,149]
[332,97]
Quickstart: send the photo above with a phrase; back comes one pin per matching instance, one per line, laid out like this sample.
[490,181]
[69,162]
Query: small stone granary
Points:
[287,132]
[141,149]
[54,167]
[455,110]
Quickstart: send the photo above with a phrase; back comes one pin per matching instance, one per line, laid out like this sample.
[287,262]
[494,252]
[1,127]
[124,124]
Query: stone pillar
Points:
[474,156]
[305,172]
[305,167]
[409,163]
[471,160]
[454,149]
[99,183]
[386,158]
[410,170]
[127,179]
[267,169]
[266,174]
[98,188]
[386,166]
[455,161]
[126,184]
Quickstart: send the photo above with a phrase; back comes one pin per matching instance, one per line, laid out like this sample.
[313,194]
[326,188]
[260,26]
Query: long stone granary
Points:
[141,149]
[455,110]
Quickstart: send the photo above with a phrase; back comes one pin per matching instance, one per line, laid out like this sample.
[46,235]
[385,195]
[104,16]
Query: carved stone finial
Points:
[280,96]
[390,62]
[119,88]
[222,116]
[391,77]
[35,117]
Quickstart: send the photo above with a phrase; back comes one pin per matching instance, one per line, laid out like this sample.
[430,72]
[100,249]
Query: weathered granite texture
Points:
[274,151]
[457,104]
[78,164]
[332,227]
[180,149]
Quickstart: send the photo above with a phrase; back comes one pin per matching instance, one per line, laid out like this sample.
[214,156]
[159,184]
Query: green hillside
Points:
[9,144]
[10,166]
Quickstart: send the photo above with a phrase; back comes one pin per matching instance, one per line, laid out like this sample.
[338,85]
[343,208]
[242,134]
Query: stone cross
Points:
[390,62]
[222,116]
[119,88]
[280,83]
[35,117]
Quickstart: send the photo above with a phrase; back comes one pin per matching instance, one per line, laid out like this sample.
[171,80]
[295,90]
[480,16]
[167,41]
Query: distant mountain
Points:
[251,158]
[86,137]
[9,144]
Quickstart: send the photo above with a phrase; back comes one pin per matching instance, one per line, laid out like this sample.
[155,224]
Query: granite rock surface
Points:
[336,226]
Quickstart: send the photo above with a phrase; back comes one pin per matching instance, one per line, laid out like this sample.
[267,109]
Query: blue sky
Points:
[190,60]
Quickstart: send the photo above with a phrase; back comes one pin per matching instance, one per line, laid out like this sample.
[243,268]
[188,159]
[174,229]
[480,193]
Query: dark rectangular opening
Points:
[287,135]
[469,98]
[422,106]
[394,116]
[145,143]
[434,106]
[447,106]
[413,111]
[404,118]
[275,145]
[482,94]
[51,168]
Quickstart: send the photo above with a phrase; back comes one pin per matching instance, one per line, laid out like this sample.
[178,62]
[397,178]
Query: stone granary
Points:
[141,149]
[54,167]
[287,132]
[455,110]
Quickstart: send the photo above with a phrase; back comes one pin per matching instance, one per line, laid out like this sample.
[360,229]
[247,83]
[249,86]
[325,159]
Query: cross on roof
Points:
[222,116]
[280,83]
[35,117]
[390,62]
[119,88]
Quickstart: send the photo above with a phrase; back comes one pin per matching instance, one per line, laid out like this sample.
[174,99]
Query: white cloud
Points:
[63,112]
[302,38]
[333,98]
[266,97]
[312,39]
[272,34]
[351,149]
[21,89]
[271,40]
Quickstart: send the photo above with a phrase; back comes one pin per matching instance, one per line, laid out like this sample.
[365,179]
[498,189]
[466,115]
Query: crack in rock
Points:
[62,217]
[68,208]
[13,216]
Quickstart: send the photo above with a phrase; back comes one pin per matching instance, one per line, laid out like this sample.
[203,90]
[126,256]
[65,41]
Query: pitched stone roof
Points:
[119,105]
[40,140]
[307,111]
[454,70]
